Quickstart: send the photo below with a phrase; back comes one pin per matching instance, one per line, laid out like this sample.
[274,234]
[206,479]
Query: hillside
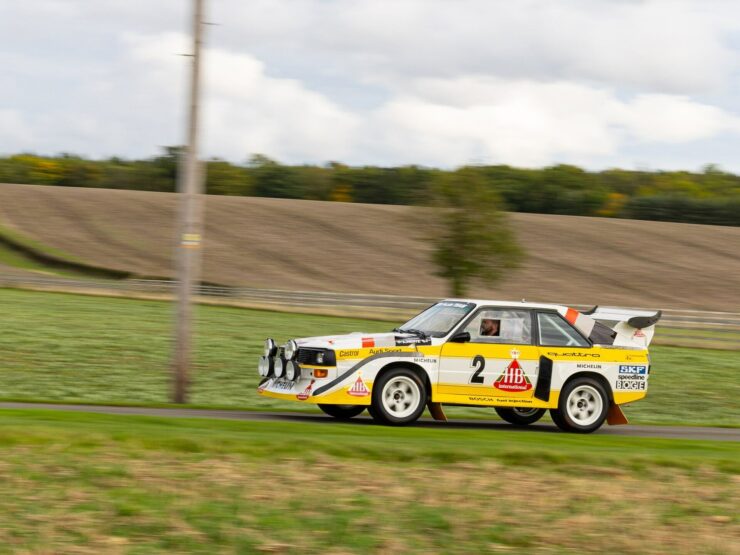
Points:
[321,246]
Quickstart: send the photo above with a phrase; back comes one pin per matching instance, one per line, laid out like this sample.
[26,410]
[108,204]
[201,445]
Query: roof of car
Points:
[508,304]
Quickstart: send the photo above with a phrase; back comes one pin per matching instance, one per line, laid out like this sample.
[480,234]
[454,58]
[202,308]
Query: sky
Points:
[530,83]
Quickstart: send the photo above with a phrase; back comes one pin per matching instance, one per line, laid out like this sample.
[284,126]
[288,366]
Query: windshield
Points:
[438,320]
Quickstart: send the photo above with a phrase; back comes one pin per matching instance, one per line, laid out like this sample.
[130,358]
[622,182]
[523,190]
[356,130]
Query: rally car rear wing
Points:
[634,328]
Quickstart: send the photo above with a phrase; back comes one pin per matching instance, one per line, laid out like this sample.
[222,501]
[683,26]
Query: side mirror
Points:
[460,337]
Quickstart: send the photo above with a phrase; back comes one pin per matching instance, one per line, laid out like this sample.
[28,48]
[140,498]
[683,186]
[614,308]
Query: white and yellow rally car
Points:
[519,358]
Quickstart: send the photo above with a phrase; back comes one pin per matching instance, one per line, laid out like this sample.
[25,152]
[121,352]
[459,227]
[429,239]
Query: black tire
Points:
[557,419]
[343,412]
[582,406]
[520,416]
[371,411]
[405,397]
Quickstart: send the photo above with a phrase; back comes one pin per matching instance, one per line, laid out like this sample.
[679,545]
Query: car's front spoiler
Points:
[353,391]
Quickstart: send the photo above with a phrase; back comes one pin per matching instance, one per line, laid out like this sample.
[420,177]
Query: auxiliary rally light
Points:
[279,367]
[270,347]
[292,370]
[290,349]
[265,366]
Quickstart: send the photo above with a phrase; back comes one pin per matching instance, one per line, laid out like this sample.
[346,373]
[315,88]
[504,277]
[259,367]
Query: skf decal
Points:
[306,392]
[513,378]
[631,369]
[368,342]
[358,389]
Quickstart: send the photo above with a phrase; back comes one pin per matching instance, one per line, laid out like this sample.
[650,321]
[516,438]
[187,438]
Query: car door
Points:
[490,369]
[565,350]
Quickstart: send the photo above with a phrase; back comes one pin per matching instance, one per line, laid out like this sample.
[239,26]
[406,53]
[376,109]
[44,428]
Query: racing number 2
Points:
[479,363]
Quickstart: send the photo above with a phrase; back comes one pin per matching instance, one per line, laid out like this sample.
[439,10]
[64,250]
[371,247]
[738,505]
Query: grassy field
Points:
[81,483]
[61,347]
[283,244]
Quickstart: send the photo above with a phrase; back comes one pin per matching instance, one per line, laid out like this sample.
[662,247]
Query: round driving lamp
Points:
[279,367]
[265,366]
[292,370]
[320,357]
[291,349]
[270,347]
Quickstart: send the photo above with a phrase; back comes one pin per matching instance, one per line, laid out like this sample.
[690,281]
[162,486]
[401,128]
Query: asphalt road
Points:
[669,432]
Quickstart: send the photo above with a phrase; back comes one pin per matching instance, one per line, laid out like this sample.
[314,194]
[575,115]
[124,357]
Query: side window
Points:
[556,332]
[501,326]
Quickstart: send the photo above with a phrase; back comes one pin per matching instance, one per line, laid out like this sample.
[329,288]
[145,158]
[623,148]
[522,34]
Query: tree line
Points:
[711,196]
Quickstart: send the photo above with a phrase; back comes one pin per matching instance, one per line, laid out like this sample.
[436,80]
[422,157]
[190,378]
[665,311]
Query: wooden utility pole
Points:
[190,189]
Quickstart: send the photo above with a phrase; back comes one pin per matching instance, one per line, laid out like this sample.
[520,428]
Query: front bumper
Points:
[347,389]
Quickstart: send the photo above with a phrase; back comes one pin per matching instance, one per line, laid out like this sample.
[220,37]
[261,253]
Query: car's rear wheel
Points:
[343,412]
[399,397]
[520,416]
[582,406]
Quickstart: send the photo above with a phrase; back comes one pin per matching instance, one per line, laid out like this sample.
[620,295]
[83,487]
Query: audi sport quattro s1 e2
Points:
[522,359]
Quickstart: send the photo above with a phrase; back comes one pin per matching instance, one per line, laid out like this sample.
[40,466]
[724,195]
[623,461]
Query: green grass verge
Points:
[88,483]
[75,348]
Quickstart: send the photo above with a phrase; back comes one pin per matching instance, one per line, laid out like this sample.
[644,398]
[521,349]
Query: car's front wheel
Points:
[520,416]
[582,406]
[342,412]
[399,397]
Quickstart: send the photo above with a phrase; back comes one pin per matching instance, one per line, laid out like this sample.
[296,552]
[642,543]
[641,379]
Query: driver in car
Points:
[490,327]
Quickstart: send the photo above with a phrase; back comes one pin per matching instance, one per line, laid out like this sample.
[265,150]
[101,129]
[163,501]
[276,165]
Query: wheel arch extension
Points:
[417,369]
[596,376]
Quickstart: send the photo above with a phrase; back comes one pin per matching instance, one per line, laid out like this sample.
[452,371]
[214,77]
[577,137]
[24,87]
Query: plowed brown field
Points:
[321,246]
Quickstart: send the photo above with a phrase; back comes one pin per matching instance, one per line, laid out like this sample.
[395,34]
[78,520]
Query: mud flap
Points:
[615,416]
[435,409]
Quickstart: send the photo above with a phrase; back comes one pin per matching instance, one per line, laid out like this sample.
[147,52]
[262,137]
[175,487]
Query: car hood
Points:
[361,340]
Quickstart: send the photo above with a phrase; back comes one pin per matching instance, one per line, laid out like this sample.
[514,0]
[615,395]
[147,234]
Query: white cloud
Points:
[670,46]
[244,110]
[15,130]
[675,119]
[529,123]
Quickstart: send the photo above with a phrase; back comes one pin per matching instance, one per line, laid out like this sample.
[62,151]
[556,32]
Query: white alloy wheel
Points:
[401,396]
[585,405]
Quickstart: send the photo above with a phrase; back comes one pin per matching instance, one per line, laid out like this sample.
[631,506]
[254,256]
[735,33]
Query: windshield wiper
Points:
[412,331]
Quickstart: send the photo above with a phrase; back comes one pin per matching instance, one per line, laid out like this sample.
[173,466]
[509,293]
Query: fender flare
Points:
[342,377]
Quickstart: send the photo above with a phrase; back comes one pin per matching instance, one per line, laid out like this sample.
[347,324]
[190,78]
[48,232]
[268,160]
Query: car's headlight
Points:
[320,357]
[290,350]
[265,366]
[279,367]
[270,348]
[292,370]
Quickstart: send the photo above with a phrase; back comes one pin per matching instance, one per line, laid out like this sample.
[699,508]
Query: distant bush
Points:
[670,208]
[708,197]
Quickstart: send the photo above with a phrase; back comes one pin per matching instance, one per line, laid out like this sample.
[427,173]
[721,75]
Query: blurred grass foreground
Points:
[82,483]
